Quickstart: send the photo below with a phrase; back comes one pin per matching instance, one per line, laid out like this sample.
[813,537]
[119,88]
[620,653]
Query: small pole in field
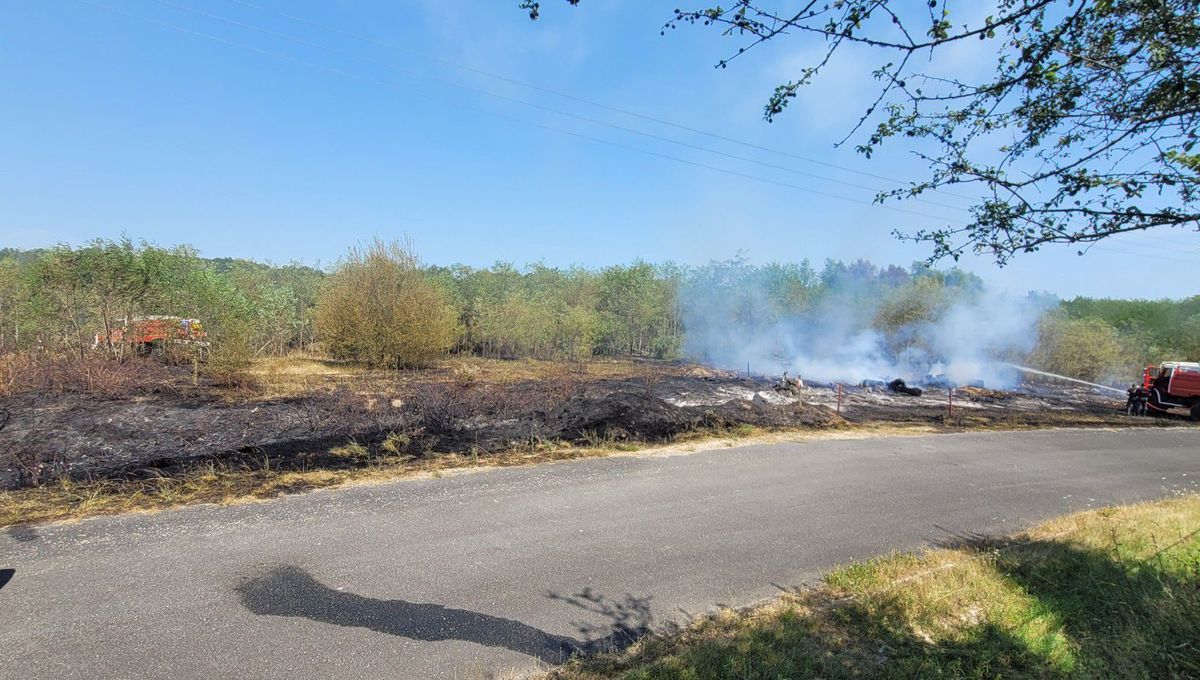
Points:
[950,401]
[839,402]
[747,369]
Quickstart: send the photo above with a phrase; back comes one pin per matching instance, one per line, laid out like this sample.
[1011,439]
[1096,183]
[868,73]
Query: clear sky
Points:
[114,121]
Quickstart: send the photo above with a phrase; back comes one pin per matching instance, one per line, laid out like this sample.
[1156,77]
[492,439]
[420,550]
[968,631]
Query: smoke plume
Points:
[856,323]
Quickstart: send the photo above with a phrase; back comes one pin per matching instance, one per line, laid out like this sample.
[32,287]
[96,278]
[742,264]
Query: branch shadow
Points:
[1108,602]
[1050,609]
[884,645]
[629,619]
[291,591]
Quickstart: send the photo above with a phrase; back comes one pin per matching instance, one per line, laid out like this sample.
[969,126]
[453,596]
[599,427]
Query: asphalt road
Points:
[495,572]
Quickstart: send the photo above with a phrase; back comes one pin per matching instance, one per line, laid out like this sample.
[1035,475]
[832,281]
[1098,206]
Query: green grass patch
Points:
[1111,593]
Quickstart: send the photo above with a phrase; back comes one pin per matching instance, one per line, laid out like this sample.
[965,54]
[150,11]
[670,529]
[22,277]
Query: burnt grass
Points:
[84,437]
[44,437]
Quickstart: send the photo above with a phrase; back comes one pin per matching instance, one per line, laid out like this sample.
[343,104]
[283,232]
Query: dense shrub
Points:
[380,308]
[1083,348]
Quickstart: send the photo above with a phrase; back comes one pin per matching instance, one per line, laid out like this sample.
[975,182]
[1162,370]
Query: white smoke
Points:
[730,324]
[974,339]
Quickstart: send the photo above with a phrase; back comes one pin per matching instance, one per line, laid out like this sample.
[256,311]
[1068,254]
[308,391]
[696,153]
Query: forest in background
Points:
[56,300]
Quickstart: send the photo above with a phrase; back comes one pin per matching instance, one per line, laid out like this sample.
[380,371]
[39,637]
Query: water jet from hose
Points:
[1027,369]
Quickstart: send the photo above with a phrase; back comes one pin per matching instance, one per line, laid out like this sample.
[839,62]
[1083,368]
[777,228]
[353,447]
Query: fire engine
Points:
[153,334]
[1173,385]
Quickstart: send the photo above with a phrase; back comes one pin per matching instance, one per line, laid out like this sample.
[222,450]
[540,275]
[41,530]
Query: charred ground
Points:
[340,418]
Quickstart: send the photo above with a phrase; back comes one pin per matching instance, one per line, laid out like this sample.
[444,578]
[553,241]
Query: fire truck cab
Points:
[1174,385]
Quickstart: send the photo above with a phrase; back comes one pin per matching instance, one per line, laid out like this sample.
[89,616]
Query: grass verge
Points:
[1109,593]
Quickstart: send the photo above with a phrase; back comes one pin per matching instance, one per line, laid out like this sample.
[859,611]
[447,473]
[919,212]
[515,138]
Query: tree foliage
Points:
[380,308]
[1151,330]
[59,299]
[1084,348]
[907,308]
[546,312]
[1084,126]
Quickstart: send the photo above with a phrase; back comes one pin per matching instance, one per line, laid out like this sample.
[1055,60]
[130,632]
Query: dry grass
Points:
[298,374]
[302,366]
[1105,593]
[88,373]
[518,370]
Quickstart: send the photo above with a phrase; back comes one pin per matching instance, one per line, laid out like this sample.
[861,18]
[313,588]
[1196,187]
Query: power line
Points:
[382,83]
[726,171]
[581,100]
[393,86]
[1140,241]
[540,107]
[1162,239]
[1157,256]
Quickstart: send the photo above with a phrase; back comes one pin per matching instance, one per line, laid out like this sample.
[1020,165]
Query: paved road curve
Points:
[488,573]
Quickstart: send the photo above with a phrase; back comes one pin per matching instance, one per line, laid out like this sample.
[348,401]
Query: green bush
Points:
[380,308]
[1089,349]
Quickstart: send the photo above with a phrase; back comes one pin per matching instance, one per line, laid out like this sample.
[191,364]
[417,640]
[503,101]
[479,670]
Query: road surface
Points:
[496,572]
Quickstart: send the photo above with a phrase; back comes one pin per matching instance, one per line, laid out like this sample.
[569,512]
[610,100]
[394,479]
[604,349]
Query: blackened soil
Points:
[44,437]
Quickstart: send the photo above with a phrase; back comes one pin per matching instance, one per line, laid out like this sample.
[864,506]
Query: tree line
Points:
[382,306]
[63,298]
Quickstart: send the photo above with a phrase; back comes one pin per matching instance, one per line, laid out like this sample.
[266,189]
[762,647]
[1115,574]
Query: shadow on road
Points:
[291,591]
[6,576]
[22,533]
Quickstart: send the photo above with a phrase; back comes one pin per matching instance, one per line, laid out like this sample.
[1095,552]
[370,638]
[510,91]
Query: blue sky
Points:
[253,145]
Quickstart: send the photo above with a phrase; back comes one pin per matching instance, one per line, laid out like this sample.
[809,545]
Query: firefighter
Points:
[1135,403]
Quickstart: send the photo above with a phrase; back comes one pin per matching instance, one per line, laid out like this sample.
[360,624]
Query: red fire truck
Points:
[1173,385]
[154,334]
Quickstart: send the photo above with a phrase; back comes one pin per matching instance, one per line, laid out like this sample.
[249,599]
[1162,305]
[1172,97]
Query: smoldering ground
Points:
[855,323]
[81,437]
